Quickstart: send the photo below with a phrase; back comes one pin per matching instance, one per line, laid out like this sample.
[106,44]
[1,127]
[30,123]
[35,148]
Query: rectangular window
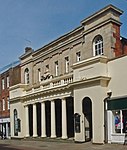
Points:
[66,64]
[26,73]
[39,74]
[0,105]
[8,103]
[8,82]
[78,56]
[56,68]
[3,101]
[3,84]
[47,68]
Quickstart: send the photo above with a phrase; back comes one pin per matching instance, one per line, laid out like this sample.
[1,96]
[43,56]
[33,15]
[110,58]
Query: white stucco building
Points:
[71,87]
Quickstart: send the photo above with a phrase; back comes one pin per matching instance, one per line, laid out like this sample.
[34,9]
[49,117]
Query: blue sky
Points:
[37,22]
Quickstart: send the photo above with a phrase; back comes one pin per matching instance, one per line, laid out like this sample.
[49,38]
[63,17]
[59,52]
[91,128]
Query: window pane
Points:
[98,46]
[66,64]
[3,104]
[117,121]
[78,56]
[124,121]
[7,81]
[56,68]
[3,84]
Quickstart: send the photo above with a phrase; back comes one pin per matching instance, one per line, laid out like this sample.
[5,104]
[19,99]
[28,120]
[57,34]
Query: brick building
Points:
[70,86]
[9,77]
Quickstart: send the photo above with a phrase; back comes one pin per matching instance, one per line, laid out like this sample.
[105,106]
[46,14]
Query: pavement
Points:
[55,145]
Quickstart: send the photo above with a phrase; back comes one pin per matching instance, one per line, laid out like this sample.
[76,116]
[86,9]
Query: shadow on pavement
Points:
[6,147]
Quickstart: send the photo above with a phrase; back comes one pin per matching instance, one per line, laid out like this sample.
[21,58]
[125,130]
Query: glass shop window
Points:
[120,121]
[117,121]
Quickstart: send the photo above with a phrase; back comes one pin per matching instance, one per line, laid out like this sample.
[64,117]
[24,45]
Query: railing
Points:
[68,80]
[22,89]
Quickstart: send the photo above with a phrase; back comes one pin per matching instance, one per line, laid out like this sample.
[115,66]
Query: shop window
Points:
[117,121]
[120,121]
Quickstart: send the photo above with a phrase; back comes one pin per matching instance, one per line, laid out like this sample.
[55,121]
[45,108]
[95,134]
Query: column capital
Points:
[63,98]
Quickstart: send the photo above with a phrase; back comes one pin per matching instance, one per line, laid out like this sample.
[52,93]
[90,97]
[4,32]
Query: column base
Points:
[43,136]
[53,136]
[64,137]
[35,136]
[27,136]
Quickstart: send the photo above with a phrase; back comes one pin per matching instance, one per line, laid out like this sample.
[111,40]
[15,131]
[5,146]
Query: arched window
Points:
[26,76]
[15,122]
[98,46]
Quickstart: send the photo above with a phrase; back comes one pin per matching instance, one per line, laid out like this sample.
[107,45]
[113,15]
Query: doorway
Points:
[87,111]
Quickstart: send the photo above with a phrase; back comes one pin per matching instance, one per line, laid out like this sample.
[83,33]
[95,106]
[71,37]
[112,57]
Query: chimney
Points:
[28,49]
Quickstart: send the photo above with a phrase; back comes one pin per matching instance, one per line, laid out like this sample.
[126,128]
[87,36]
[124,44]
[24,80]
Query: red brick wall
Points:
[4,94]
[14,78]
[120,44]
[116,35]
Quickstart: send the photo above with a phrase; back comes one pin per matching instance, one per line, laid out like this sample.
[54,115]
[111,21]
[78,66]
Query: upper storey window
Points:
[47,69]
[66,64]
[8,82]
[78,56]
[3,84]
[26,76]
[98,46]
[56,68]
[39,75]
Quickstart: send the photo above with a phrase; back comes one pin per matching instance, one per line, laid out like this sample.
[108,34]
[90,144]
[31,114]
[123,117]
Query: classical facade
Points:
[8,77]
[66,86]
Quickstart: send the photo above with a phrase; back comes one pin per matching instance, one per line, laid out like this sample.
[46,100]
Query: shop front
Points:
[117,120]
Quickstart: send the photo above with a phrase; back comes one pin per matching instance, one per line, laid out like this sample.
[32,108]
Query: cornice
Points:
[103,10]
[17,86]
[63,45]
[48,91]
[102,80]
[58,40]
[99,25]
[93,60]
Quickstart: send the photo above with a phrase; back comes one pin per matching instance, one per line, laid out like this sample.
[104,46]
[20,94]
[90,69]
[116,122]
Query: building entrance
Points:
[87,111]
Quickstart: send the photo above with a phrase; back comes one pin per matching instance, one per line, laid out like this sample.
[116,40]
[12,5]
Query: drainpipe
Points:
[109,93]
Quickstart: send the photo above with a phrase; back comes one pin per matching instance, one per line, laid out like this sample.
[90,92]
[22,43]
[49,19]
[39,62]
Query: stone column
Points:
[43,121]
[53,120]
[34,120]
[27,122]
[64,119]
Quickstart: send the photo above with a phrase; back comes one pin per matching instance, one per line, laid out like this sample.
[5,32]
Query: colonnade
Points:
[43,119]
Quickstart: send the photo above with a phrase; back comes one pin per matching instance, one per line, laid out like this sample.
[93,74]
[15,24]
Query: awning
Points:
[116,104]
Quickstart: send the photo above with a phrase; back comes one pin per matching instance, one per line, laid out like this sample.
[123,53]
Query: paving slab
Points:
[57,145]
